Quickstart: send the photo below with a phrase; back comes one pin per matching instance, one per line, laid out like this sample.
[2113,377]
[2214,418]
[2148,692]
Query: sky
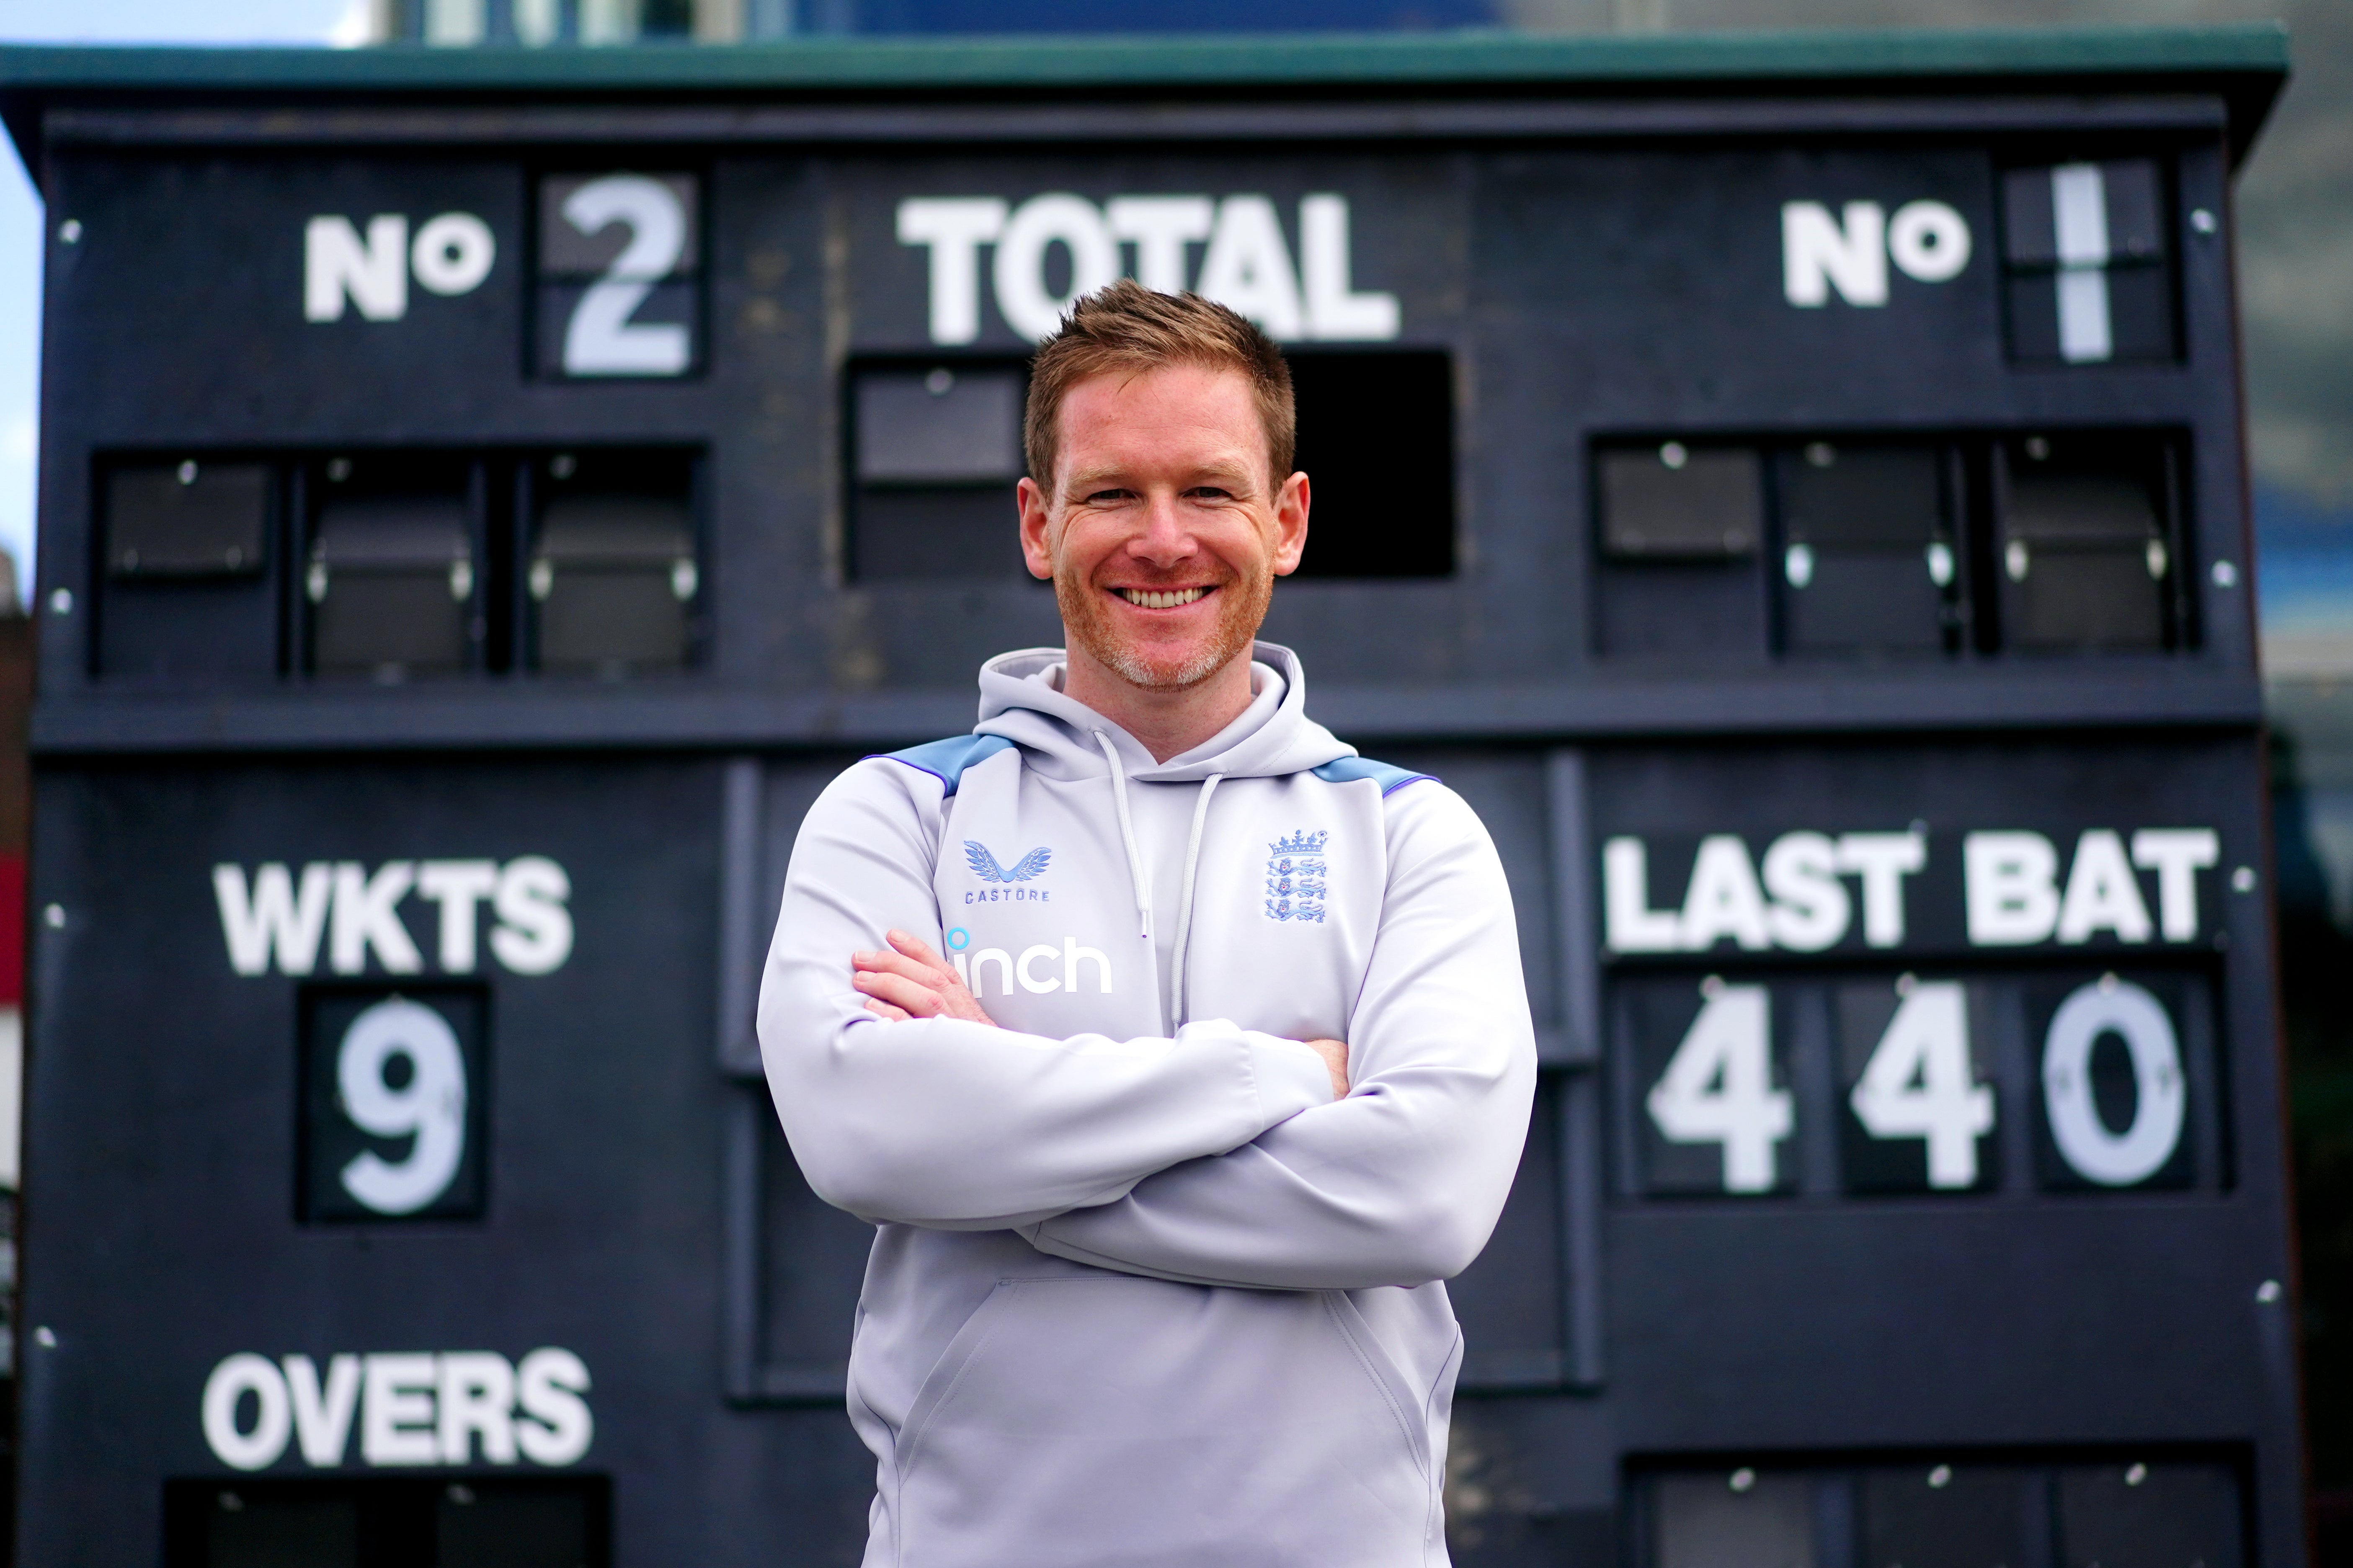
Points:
[97,22]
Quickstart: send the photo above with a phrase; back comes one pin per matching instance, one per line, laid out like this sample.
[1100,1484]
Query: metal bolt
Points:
[2242,881]
[54,916]
[2203,221]
[1744,1479]
[2136,1475]
[61,601]
[70,231]
[46,1337]
[1941,1476]
[2268,1292]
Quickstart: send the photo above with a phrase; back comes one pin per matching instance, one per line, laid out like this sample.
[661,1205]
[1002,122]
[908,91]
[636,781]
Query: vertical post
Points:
[1578,936]
[739,1262]
[739,916]
[1581,1089]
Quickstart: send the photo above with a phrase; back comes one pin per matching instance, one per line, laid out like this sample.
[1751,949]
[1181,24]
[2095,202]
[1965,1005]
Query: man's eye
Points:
[1210,492]
[1108,498]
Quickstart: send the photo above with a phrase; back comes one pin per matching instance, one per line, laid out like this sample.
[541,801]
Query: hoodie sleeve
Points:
[1402,1181]
[961,1126]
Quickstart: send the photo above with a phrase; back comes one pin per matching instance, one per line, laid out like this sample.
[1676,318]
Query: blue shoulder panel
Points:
[1347,770]
[946,760]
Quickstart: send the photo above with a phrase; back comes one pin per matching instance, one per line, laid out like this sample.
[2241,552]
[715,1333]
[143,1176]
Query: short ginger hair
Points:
[1127,327]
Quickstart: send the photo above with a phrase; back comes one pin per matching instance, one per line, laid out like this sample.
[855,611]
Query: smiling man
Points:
[1177,1052]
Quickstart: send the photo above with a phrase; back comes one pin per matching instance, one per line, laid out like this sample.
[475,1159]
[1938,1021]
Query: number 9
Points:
[431,1106]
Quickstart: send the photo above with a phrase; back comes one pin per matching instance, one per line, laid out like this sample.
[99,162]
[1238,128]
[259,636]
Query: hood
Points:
[1021,700]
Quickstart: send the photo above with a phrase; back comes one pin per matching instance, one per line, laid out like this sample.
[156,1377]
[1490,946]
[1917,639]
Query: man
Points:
[1177,1052]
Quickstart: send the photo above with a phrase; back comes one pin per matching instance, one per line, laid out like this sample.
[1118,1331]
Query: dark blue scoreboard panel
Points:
[1801,512]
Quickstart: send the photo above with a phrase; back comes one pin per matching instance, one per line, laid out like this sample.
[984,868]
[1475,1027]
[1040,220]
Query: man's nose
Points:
[1166,537]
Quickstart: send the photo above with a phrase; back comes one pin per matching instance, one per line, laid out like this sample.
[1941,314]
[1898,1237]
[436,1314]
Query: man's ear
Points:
[1290,524]
[1035,552]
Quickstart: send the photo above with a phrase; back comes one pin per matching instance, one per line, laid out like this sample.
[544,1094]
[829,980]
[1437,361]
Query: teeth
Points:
[1149,600]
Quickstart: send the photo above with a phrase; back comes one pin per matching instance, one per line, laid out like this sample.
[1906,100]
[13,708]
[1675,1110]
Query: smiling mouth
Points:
[1160,599]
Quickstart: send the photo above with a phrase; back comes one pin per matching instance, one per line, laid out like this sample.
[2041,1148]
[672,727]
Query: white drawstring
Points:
[1184,898]
[1136,875]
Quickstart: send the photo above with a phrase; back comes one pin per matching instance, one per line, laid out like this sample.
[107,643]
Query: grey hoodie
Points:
[1142,1291]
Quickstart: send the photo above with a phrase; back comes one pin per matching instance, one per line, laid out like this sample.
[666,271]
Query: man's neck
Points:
[1167,722]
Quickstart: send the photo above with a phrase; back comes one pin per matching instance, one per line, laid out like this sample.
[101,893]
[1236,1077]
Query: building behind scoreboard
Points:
[1793,488]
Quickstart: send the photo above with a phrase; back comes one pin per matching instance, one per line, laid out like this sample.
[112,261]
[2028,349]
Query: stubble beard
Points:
[1241,609]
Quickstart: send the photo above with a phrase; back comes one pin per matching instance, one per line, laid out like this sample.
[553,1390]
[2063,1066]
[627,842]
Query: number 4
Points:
[1917,1084]
[1718,1088]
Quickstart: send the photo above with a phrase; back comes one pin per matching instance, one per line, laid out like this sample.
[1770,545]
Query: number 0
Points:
[430,1107]
[2113,1159]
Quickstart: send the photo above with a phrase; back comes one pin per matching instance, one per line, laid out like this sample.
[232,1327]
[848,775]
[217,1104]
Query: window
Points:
[935,452]
[1377,442]
[188,581]
[1892,547]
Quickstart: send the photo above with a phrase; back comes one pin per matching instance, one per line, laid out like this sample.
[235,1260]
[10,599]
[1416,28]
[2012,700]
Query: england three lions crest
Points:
[1295,877]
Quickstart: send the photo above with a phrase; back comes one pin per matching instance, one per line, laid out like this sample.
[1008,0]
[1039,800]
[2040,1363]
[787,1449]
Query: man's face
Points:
[1164,532]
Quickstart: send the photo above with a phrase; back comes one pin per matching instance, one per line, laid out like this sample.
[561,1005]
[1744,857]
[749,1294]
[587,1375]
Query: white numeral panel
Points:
[1911,1083]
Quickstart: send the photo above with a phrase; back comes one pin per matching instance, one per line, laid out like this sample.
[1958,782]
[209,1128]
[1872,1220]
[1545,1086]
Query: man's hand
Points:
[913,981]
[1336,1057]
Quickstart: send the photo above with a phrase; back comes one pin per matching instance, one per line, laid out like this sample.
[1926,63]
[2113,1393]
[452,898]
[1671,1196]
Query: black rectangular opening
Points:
[1681,528]
[1892,546]
[1870,563]
[392,574]
[377,1521]
[2087,269]
[934,453]
[393,1096]
[1929,1509]
[188,571]
[613,586]
[2090,545]
[1377,443]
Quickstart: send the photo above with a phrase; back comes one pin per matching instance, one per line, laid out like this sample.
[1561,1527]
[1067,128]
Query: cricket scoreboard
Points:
[1794,488]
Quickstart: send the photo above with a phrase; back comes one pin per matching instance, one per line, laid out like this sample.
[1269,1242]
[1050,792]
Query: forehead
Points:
[1180,415]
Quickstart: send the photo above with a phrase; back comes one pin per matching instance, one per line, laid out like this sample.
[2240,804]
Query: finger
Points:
[898,963]
[914,947]
[912,996]
[884,1010]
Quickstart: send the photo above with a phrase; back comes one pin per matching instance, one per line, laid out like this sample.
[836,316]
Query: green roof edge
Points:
[1336,59]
